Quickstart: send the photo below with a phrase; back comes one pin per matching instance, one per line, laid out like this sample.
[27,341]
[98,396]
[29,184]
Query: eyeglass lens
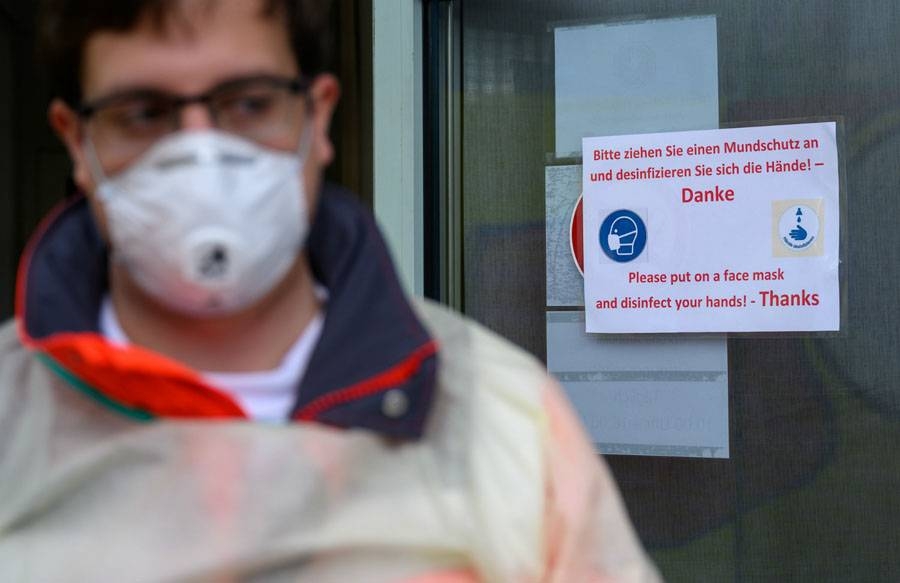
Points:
[126,127]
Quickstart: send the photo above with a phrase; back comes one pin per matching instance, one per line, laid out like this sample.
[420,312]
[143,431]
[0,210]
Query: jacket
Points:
[420,445]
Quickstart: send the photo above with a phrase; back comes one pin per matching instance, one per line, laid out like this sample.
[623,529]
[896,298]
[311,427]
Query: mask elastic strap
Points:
[93,160]
[305,143]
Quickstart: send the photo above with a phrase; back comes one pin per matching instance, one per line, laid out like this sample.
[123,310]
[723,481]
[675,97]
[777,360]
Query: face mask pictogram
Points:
[622,235]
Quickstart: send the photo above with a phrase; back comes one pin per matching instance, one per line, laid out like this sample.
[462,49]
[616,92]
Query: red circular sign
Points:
[576,235]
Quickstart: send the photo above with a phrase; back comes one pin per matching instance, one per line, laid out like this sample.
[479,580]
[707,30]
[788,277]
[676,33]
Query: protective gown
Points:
[421,447]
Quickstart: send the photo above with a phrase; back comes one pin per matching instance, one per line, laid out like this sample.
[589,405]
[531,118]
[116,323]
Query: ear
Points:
[67,126]
[324,93]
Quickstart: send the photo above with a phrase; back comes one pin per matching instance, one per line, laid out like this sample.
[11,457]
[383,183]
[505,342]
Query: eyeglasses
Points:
[123,126]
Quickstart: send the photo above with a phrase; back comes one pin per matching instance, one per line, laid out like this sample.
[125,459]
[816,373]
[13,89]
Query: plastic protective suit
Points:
[421,447]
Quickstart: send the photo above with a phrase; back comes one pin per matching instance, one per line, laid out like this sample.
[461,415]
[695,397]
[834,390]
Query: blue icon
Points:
[623,236]
[799,233]
[798,227]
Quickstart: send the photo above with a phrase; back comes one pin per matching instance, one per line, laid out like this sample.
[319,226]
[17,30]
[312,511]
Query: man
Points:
[214,374]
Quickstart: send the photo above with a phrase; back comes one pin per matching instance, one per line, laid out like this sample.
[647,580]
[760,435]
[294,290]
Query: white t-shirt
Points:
[265,395]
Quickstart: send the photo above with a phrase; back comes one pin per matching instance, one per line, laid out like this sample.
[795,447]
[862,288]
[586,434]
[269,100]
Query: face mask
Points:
[207,223]
[612,241]
[617,242]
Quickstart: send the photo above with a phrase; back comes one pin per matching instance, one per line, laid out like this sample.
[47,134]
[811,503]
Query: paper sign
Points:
[643,395]
[732,230]
[628,77]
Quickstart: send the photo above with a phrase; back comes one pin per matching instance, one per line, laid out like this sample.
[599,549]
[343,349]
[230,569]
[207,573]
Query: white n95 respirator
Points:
[205,222]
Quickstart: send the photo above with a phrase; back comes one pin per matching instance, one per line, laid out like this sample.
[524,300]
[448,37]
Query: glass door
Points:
[811,488]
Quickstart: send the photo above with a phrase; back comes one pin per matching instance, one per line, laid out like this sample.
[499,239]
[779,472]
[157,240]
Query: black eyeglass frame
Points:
[296,86]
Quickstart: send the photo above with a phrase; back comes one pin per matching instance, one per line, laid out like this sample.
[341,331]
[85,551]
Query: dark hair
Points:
[66,25]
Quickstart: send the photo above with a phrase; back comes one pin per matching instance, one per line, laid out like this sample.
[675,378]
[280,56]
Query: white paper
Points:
[643,395]
[732,230]
[629,77]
